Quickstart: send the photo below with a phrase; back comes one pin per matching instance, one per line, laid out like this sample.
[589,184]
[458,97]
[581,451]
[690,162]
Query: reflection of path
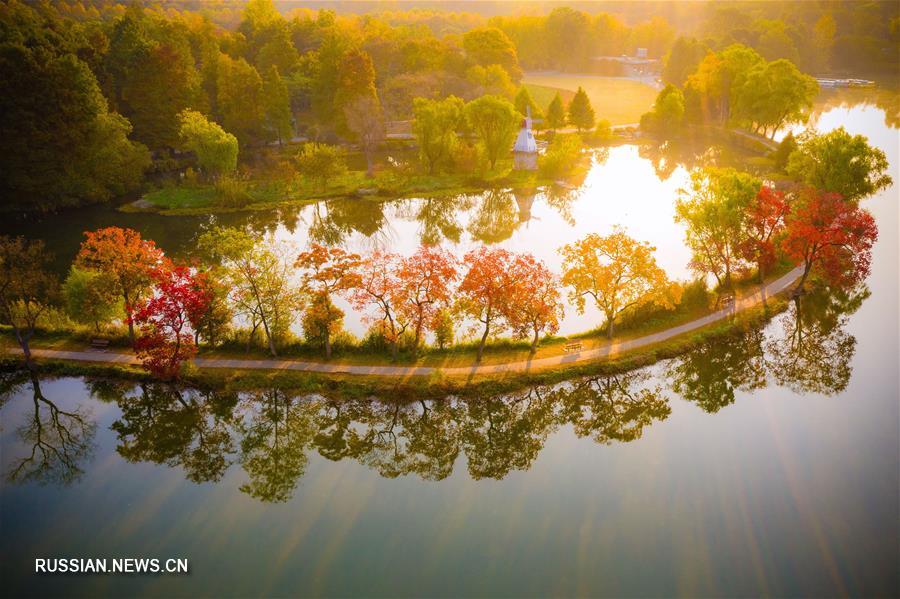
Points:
[610,349]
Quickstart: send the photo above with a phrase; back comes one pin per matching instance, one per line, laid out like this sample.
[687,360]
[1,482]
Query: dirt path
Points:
[607,350]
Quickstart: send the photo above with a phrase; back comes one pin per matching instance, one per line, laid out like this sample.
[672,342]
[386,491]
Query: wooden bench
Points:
[570,347]
[99,343]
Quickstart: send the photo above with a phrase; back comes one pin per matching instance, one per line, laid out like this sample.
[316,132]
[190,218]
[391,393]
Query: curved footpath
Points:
[610,349]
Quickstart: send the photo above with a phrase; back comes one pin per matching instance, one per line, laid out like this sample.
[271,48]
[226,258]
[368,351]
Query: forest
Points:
[103,98]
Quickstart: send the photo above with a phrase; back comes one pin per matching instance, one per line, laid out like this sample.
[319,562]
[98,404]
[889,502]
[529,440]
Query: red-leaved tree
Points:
[486,287]
[425,284]
[532,305]
[764,222]
[830,236]
[181,296]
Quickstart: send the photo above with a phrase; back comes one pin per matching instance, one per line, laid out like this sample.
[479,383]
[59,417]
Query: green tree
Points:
[216,149]
[365,121]
[259,278]
[321,163]
[667,117]
[355,79]
[60,143]
[713,211]
[494,121]
[26,288]
[840,163]
[239,101]
[435,126]
[90,297]
[524,102]
[488,45]
[556,113]
[322,320]
[491,80]
[581,114]
[773,95]
[683,59]
[276,106]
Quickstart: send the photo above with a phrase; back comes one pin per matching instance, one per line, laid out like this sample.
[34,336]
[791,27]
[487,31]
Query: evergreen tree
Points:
[276,106]
[581,114]
[524,101]
[556,113]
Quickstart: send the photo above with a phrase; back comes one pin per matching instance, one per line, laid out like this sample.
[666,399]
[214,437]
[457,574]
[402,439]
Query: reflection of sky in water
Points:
[624,191]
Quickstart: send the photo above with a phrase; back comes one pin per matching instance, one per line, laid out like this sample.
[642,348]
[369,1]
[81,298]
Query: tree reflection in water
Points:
[56,442]
[270,434]
[496,217]
[812,353]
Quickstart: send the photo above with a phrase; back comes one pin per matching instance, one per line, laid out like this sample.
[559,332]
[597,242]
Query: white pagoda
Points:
[525,150]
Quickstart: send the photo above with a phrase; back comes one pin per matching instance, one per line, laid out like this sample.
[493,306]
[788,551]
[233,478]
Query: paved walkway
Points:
[607,350]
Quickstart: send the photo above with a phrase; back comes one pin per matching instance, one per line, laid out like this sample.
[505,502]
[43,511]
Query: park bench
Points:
[570,347]
[99,343]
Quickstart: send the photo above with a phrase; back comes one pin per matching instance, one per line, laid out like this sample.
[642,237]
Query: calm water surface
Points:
[767,464]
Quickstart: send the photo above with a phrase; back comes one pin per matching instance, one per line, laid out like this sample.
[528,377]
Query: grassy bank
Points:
[413,388]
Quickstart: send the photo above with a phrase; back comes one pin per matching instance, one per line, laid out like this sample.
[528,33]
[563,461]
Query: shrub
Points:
[232,192]
[561,157]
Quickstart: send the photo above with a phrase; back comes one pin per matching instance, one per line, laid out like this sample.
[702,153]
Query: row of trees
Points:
[270,433]
[735,86]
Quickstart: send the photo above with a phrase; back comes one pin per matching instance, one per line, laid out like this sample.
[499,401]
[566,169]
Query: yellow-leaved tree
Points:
[618,272]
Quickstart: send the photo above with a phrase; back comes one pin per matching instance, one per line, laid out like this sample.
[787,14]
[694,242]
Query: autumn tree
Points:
[324,272]
[258,273]
[581,113]
[425,285]
[682,60]
[830,236]
[532,305]
[435,126]
[365,121]
[126,259]
[276,106]
[490,46]
[618,273]
[355,80]
[494,121]
[485,289]
[239,100]
[840,163]
[216,149]
[321,320]
[26,288]
[556,113]
[378,286]
[443,326]
[321,163]
[713,211]
[763,223]
[90,297]
[166,341]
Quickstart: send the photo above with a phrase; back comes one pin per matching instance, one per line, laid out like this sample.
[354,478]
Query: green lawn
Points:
[620,101]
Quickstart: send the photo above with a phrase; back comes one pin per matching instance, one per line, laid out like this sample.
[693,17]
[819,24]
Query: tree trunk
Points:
[534,341]
[327,345]
[26,349]
[487,328]
[806,270]
[128,317]
[610,326]
[370,166]
[395,348]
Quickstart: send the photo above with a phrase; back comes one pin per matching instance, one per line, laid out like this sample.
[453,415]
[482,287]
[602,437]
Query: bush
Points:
[561,157]
[232,193]
[468,158]
[603,133]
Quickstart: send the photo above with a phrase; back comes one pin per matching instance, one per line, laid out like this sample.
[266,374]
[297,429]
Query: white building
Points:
[525,149]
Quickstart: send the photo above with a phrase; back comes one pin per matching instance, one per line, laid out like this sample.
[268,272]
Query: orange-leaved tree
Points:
[379,285]
[128,260]
[831,236]
[326,271]
[532,305]
[618,272]
[425,284]
[486,289]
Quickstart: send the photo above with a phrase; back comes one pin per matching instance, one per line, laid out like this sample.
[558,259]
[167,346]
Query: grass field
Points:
[620,101]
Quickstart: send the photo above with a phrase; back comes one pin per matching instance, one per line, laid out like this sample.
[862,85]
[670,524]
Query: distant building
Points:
[525,149]
[637,66]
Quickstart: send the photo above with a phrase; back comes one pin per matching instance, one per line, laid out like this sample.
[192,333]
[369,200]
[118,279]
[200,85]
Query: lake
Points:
[768,463]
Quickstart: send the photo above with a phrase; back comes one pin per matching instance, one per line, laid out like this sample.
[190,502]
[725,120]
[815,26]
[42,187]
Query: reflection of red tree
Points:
[831,236]
[182,298]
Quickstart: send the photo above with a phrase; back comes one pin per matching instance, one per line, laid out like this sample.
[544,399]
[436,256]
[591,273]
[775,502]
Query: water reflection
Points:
[271,434]
[56,443]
